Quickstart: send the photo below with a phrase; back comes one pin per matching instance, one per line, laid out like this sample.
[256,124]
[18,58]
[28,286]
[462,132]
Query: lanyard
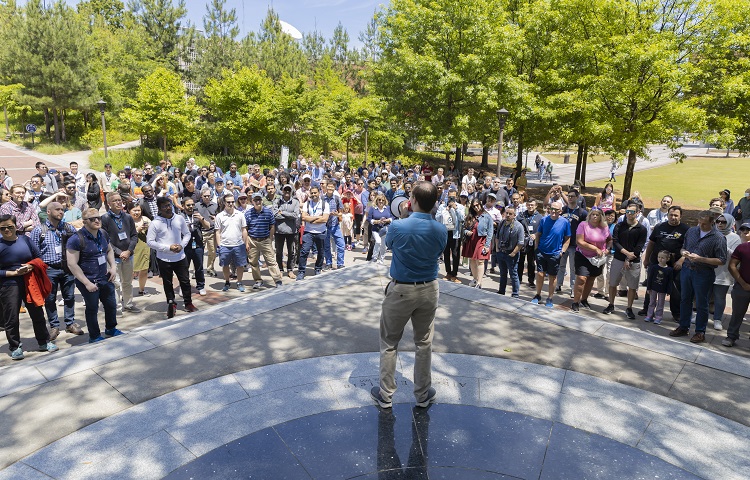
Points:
[117,219]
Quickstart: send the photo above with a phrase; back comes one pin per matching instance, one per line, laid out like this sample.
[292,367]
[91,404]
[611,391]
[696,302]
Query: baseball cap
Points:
[306,176]
[219,180]
[127,167]
[716,211]
[242,194]
[492,195]
[287,187]
[744,225]
[257,195]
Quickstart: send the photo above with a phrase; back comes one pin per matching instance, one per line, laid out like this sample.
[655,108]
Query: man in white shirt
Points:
[315,213]
[659,215]
[469,179]
[231,237]
[168,235]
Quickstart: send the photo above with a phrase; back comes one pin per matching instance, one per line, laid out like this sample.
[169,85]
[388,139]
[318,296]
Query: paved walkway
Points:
[19,161]
[142,405]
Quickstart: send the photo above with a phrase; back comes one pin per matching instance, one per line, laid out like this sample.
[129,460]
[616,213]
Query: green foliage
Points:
[162,21]
[135,157]
[216,50]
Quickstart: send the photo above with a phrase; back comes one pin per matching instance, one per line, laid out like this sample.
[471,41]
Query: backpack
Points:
[66,234]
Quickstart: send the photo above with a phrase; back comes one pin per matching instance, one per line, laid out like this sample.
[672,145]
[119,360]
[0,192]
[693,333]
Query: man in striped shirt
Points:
[261,225]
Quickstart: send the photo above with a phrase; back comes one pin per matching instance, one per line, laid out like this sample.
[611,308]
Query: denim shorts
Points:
[236,256]
[549,264]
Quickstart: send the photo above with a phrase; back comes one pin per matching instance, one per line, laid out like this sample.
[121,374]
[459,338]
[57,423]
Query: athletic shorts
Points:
[236,256]
[549,264]
[617,272]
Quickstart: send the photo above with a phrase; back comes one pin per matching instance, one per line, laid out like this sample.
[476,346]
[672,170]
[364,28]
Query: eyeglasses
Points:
[8,228]
[257,199]
[630,212]
[229,202]
[94,219]
[70,187]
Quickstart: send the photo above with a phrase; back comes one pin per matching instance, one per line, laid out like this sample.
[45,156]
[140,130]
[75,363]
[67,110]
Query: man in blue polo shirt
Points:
[551,239]
[416,242]
[261,226]
[91,260]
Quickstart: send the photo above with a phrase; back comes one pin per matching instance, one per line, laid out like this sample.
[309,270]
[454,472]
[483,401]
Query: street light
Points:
[102,104]
[367,126]
[502,116]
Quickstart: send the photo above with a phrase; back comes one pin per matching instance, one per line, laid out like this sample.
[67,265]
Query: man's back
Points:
[416,242]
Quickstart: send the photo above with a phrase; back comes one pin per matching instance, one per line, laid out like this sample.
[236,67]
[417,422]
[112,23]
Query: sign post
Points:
[31,128]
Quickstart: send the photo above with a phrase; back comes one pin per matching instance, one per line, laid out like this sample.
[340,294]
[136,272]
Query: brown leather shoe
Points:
[74,329]
[54,333]
[698,337]
[679,332]
[290,274]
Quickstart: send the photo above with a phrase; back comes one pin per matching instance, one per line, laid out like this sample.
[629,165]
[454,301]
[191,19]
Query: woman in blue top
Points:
[379,216]
[478,233]
[15,252]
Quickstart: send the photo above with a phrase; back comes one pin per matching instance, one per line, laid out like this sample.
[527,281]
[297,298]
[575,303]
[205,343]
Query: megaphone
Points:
[400,207]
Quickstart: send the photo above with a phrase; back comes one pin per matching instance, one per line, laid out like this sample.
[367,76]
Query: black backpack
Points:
[66,234]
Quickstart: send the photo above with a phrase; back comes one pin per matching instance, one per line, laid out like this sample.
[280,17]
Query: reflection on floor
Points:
[441,442]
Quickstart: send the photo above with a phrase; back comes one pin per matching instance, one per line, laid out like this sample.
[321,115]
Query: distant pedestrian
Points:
[612,171]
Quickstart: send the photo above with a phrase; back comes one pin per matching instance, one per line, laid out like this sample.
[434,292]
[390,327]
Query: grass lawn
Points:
[692,183]
[559,157]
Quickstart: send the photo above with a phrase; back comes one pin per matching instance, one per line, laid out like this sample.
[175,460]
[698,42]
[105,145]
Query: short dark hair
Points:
[675,207]
[7,216]
[425,194]
[38,164]
[161,201]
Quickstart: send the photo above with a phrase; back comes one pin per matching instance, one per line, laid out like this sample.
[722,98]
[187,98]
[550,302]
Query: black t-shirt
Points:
[669,238]
[575,216]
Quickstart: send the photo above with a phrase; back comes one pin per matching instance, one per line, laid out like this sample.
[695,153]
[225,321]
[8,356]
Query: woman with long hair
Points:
[606,200]
[93,192]
[478,233]
[592,241]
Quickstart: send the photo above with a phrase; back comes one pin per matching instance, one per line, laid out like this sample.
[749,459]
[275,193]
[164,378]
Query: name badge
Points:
[122,235]
[102,259]
[58,249]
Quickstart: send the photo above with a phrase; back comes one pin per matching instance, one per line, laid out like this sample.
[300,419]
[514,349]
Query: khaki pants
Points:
[403,302]
[124,283]
[265,247]
[209,248]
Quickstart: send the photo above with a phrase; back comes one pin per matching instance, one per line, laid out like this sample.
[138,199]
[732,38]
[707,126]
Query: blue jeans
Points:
[507,265]
[338,237]
[695,284]
[106,295]
[308,241]
[195,255]
[66,282]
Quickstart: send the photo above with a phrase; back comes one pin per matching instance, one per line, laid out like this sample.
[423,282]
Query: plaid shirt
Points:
[712,245]
[23,213]
[52,240]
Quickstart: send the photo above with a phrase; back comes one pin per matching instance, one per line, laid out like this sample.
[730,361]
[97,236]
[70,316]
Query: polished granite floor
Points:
[441,442]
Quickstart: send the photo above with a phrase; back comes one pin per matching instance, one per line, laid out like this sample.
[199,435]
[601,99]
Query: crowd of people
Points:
[100,232]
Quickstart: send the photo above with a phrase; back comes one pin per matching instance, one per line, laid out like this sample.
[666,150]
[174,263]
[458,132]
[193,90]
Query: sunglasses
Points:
[631,212]
[721,221]
[94,219]
[8,228]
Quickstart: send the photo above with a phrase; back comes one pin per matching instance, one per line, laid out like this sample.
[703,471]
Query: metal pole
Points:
[104,133]
[499,150]
[367,124]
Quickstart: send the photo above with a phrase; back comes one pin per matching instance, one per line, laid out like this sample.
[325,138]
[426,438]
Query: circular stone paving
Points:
[441,442]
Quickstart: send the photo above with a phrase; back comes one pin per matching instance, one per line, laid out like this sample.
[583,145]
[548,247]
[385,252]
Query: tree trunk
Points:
[348,140]
[629,175]
[57,126]
[485,156]
[143,151]
[457,159]
[583,167]
[579,161]
[165,147]
[47,121]
[7,126]
[62,126]
[519,152]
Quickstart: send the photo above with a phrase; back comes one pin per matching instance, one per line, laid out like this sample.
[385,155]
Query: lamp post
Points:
[502,116]
[102,104]
[367,126]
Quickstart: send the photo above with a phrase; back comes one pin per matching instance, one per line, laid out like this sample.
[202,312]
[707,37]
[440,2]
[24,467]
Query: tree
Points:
[8,98]
[163,23]
[162,107]
[277,52]
[217,48]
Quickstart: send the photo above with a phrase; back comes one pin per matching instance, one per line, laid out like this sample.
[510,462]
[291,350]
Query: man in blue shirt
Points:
[333,228]
[91,260]
[416,242]
[261,226]
[551,239]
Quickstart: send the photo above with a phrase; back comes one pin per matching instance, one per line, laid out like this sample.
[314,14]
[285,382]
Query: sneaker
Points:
[291,275]
[692,318]
[202,292]
[599,296]
[585,304]
[478,285]
[226,287]
[131,309]
[642,312]
[375,394]
[114,332]
[327,267]
[141,293]
[189,307]
[610,308]
[233,276]
[171,310]
[532,285]
[257,285]
[728,342]
[381,261]
[622,293]
[150,275]
[536,299]
[699,337]
[558,289]
[648,319]
[549,303]
[629,313]
[54,332]
[679,332]
[17,354]
[300,276]
[61,302]
[240,287]
[430,398]
[492,271]
[279,284]
[572,295]
[574,307]
[718,325]
[97,339]
[210,273]
[500,292]
[657,321]
[48,347]
[473,283]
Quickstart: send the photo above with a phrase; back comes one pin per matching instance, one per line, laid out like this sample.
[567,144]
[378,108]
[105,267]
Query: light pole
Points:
[502,116]
[367,126]
[102,104]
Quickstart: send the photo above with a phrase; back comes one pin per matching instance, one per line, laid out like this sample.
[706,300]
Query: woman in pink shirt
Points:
[592,241]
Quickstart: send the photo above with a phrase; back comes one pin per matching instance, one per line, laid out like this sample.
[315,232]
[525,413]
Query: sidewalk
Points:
[10,150]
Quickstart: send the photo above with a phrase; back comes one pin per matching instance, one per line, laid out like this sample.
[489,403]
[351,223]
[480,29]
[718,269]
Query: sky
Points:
[306,15]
